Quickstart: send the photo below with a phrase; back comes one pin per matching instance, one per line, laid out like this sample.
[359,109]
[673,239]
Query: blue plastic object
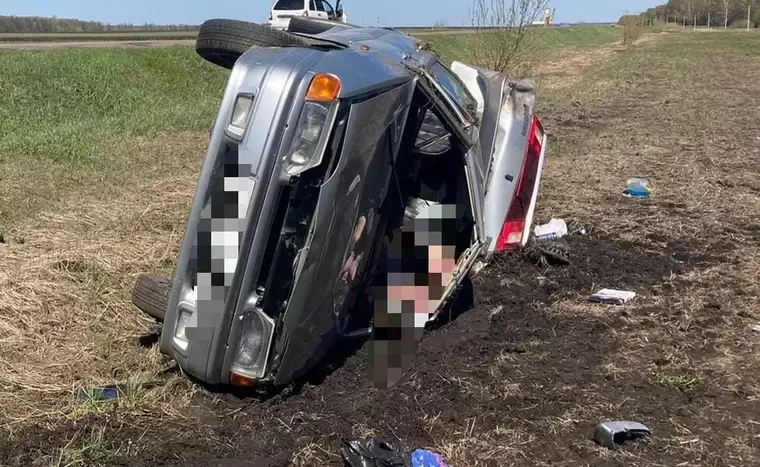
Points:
[425,458]
[638,188]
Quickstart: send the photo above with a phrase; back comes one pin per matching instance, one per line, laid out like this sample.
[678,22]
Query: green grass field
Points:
[541,41]
[65,114]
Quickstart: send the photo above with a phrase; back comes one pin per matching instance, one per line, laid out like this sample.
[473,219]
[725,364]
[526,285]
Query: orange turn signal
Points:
[323,87]
[240,380]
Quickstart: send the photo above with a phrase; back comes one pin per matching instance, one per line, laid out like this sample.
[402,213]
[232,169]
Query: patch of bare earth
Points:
[521,379]
[566,67]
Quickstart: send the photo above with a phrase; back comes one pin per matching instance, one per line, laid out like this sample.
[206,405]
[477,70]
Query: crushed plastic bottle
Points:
[425,458]
[553,230]
[638,188]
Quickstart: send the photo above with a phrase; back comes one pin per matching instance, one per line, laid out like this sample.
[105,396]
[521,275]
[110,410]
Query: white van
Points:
[279,15]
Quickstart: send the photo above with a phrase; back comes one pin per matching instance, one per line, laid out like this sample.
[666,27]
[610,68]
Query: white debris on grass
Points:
[612,296]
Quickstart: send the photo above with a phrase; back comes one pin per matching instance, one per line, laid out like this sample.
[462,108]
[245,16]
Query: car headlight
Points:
[305,151]
[307,148]
[241,114]
[253,345]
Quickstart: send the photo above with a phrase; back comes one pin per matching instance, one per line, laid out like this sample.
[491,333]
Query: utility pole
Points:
[695,21]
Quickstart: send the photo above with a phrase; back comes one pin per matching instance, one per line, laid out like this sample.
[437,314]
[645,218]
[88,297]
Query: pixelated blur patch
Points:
[222,223]
[420,264]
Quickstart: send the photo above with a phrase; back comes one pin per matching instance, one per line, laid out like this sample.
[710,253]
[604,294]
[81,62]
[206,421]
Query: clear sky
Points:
[364,12]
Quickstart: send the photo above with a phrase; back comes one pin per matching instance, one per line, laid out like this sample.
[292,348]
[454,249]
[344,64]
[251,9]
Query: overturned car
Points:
[327,137]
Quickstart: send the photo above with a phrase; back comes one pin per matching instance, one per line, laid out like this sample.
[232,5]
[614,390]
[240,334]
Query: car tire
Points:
[151,295]
[223,41]
[314,25]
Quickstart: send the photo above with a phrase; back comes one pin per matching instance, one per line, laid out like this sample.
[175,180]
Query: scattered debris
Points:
[756,328]
[556,252]
[425,458]
[553,230]
[101,394]
[578,231]
[614,297]
[548,253]
[638,188]
[372,453]
[380,453]
[608,434]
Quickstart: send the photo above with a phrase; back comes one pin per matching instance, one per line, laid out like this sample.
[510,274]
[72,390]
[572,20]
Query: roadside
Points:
[94,44]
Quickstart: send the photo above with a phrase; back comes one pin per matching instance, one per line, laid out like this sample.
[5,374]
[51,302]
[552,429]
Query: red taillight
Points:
[305,13]
[513,231]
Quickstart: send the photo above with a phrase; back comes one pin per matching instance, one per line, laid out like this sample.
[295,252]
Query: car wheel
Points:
[151,295]
[314,25]
[223,41]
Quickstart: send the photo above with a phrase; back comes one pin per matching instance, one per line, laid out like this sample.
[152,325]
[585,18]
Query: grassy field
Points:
[456,46]
[98,161]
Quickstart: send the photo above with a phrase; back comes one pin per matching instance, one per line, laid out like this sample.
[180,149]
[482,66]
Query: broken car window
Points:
[454,88]
[433,137]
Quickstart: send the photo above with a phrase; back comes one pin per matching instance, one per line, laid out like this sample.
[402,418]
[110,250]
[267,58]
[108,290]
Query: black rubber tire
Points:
[151,295]
[223,41]
[314,25]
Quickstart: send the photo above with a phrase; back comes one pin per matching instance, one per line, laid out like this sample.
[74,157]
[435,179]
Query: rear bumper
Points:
[280,24]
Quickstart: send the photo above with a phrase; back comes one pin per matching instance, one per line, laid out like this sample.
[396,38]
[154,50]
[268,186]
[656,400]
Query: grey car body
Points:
[258,295]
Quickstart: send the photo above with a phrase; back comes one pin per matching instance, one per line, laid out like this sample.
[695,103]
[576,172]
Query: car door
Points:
[319,7]
[329,10]
[457,107]
[512,148]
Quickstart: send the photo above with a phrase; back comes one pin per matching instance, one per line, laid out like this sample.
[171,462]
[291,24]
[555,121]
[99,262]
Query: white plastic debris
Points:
[612,296]
[756,328]
[553,230]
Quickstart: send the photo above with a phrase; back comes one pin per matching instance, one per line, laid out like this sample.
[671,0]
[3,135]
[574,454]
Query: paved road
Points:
[93,44]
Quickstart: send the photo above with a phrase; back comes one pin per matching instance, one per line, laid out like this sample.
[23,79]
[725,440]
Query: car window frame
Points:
[320,6]
[326,4]
[467,113]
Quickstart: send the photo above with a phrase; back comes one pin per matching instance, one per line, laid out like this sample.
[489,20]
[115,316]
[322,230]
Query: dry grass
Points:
[65,279]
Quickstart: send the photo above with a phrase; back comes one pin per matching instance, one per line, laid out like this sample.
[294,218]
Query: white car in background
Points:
[283,10]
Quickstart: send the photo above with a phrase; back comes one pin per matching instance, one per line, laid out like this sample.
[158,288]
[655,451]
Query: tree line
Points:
[703,13]
[36,25]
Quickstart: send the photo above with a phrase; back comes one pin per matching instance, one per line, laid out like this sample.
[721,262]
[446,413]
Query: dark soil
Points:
[572,350]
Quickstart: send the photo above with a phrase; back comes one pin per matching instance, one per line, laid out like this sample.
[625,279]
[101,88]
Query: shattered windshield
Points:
[453,87]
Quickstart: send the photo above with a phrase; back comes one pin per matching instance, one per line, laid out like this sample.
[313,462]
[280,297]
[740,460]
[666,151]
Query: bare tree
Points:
[503,32]
[749,13]
[726,6]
